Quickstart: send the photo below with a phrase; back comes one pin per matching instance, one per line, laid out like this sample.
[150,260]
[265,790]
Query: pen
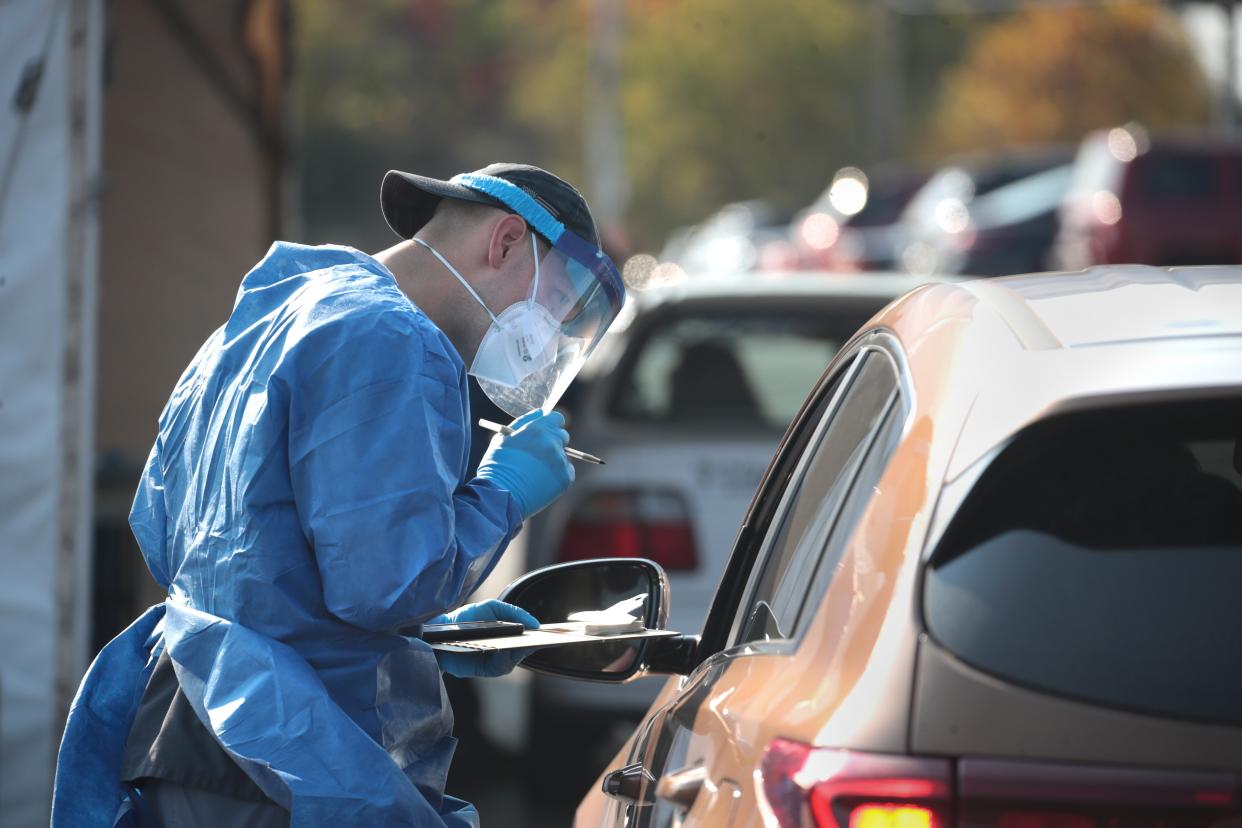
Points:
[569,452]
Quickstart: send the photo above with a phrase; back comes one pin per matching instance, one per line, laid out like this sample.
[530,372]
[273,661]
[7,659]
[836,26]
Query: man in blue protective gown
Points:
[307,508]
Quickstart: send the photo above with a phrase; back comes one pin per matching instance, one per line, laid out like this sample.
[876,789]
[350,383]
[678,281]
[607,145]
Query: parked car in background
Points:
[939,214]
[853,225]
[686,404]
[1007,231]
[732,240]
[989,578]
[1170,200]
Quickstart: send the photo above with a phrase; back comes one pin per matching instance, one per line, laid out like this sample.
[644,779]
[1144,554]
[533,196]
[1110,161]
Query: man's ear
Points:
[508,238]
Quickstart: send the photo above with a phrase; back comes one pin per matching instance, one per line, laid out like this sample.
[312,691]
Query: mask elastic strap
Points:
[534,286]
[464,283]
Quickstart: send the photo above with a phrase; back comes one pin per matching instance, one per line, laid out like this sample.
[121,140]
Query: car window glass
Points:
[883,206]
[793,543]
[1178,178]
[747,371]
[860,492]
[1099,557]
[1023,199]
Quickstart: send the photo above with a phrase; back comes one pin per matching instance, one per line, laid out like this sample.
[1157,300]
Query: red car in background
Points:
[1173,200]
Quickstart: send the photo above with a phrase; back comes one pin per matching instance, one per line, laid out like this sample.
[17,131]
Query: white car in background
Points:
[686,401]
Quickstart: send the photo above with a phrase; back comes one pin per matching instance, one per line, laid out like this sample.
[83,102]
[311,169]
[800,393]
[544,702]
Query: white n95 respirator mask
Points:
[533,349]
[521,341]
[519,345]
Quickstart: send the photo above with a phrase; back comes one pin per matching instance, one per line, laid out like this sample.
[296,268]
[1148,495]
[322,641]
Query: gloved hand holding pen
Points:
[530,463]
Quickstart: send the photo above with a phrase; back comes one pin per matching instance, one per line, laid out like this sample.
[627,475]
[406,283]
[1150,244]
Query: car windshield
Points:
[1099,557]
[737,370]
[1023,199]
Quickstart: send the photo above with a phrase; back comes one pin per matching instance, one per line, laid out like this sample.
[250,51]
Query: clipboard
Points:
[550,635]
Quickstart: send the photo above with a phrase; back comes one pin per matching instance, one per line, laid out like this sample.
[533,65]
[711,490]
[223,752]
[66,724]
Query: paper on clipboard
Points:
[552,635]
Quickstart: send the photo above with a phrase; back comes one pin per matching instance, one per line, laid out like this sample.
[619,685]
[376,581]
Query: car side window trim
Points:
[886,342]
[788,492]
[899,404]
[808,565]
[743,619]
[736,580]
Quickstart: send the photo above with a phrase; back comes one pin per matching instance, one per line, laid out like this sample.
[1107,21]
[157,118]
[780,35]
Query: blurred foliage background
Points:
[1048,75]
[717,100]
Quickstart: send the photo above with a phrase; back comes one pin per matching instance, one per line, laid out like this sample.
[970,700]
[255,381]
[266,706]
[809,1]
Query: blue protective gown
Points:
[306,497]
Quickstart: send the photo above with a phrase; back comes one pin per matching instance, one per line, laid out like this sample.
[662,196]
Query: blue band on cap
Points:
[516,198]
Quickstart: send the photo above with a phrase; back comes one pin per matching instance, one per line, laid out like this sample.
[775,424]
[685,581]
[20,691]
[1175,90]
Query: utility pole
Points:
[608,187]
[885,88]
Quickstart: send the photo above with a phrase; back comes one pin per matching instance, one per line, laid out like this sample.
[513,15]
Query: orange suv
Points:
[990,579]
[1164,201]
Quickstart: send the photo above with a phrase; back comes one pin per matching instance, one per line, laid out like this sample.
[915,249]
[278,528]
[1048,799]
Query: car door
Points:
[782,564]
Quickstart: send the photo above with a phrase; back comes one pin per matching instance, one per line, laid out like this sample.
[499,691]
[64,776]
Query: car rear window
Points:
[739,370]
[1100,557]
[1177,177]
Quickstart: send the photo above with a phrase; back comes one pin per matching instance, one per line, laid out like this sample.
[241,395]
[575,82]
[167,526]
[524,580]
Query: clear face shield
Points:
[535,348]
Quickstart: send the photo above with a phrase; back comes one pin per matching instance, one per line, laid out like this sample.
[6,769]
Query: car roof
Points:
[1188,141]
[1130,302]
[993,355]
[767,292]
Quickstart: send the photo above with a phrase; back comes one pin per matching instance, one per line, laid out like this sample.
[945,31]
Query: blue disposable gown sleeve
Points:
[378,448]
[149,520]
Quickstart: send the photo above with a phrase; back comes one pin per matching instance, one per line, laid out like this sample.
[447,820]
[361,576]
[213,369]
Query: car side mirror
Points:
[552,593]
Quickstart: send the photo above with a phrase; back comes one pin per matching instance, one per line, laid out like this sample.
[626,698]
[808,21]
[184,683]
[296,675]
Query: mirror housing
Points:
[553,592]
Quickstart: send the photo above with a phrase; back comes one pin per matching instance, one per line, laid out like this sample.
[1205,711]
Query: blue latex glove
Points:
[530,463]
[484,665]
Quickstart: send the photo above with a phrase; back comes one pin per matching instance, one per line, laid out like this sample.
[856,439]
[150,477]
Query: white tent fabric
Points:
[41,408]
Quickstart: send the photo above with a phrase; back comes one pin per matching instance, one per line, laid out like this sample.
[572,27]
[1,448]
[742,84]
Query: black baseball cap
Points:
[408,200]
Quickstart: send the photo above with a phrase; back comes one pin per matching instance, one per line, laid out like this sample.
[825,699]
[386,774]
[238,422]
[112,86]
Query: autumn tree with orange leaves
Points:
[1049,75]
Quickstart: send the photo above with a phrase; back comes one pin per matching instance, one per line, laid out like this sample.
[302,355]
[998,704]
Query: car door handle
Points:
[681,787]
[631,783]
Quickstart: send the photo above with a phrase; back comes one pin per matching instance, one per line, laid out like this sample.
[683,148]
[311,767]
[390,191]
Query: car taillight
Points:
[1020,794]
[892,816]
[1044,820]
[805,786]
[632,524]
